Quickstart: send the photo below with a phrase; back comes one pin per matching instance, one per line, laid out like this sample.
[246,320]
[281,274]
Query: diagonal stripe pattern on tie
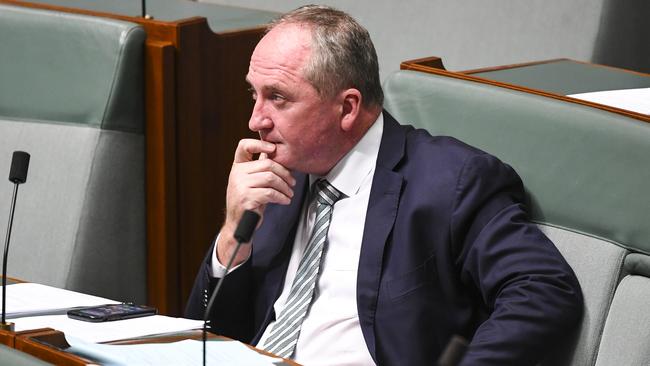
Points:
[284,335]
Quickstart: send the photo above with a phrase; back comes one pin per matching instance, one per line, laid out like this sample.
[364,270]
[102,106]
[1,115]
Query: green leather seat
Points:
[585,171]
[71,94]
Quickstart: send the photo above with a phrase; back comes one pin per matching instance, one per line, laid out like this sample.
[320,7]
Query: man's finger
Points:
[248,147]
[271,180]
[268,165]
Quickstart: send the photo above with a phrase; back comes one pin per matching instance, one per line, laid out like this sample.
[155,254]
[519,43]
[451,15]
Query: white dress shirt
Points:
[331,333]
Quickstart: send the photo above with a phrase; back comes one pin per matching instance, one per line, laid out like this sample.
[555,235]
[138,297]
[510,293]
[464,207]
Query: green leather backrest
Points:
[221,18]
[585,169]
[70,68]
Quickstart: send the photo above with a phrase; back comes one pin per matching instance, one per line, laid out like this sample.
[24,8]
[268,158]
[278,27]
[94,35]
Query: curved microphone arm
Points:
[17,175]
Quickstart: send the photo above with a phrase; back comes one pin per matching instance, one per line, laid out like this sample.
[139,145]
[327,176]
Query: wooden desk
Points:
[49,345]
[197,107]
[564,76]
[553,79]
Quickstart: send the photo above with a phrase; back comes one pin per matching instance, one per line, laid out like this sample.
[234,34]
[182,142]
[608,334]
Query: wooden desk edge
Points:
[197,335]
[49,345]
[417,65]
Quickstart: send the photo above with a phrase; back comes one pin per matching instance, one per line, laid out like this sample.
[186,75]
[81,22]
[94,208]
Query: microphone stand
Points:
[243,235]
[17,175]
[4,325]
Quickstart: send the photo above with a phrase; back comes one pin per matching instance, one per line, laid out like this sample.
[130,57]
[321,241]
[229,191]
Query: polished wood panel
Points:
[197,108]
[423,66]
[47,345]
[7,338]
[160,133]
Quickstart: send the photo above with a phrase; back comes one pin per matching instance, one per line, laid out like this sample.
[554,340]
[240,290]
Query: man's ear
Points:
[351,107]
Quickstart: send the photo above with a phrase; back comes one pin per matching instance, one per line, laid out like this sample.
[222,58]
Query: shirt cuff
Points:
[218,270]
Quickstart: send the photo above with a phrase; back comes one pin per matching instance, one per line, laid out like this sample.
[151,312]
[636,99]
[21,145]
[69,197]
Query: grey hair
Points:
[343,55]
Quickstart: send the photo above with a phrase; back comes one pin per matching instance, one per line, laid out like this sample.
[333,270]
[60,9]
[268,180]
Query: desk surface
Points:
[50,345]
[565,77]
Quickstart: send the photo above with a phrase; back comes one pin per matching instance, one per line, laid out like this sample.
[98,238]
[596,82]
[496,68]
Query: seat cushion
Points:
[598,264]
[626,337]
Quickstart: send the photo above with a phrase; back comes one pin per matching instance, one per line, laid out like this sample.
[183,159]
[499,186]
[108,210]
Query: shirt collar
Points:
[349,173]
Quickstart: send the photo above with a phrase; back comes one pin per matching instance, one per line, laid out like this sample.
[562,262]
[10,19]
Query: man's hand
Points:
[251,185]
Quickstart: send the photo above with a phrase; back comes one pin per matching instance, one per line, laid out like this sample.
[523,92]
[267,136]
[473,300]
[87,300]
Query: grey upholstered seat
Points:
[585,171]
[71,94]
[626,336]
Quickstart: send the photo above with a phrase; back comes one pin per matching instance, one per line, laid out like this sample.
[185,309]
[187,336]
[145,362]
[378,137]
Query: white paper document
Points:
[635,100]
[187,352]
[109,331]
[27,299]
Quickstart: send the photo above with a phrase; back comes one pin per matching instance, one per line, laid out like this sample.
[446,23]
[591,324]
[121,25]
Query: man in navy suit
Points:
[425,237]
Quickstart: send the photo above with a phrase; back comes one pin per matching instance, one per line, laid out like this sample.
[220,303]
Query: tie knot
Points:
[326,193]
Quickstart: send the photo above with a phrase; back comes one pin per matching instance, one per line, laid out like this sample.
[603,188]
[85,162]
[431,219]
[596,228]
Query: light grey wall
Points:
[470,34]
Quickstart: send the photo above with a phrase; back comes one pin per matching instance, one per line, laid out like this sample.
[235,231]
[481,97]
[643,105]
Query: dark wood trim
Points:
[421,68]
[160,132]
[46,345]
[7,338]
[432,62]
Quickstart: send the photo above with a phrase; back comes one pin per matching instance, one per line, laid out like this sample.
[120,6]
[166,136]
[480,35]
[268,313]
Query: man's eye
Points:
[277,97]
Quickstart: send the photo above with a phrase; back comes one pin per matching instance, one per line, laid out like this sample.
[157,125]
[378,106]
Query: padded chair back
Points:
[71,94]
[584,170]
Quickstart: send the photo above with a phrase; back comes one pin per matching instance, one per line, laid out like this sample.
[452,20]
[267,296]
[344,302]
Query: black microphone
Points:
[243,234]
[17,175]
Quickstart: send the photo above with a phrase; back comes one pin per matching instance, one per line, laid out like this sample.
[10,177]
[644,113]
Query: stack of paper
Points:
[29,299]
[188,352]
[635,100]
[30,306]
[109,331]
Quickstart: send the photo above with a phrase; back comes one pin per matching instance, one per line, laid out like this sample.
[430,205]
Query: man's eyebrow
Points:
[267,88]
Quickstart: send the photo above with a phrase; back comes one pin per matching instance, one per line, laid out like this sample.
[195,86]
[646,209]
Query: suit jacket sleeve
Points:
[231,314]
[530,293]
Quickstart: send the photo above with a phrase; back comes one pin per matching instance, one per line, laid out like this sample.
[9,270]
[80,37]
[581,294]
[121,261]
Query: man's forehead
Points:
[284,43]
[284,51]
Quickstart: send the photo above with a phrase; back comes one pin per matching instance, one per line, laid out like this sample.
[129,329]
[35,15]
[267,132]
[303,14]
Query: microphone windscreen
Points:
[19,165]
[246,226]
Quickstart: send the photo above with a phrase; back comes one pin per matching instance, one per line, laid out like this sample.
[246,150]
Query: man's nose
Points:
[259,119]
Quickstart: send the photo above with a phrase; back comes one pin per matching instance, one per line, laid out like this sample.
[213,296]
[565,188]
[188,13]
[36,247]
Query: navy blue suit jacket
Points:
[447,249]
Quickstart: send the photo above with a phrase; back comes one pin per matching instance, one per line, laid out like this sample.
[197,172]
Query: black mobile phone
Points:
[106,313]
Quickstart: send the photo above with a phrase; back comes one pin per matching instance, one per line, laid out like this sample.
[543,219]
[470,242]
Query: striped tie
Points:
[285,332]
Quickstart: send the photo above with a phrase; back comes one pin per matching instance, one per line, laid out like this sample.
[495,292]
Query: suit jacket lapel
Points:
[380,217]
